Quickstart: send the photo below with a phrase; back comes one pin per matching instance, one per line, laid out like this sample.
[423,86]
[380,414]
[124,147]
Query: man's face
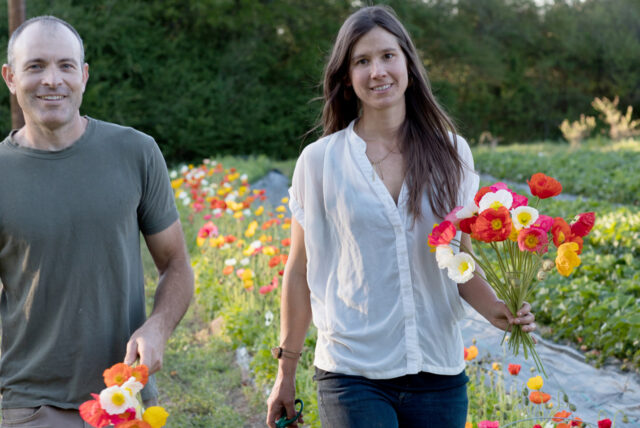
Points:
[47,75]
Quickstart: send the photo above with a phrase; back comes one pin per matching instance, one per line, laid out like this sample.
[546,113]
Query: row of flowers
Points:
[532,395]
[242,248]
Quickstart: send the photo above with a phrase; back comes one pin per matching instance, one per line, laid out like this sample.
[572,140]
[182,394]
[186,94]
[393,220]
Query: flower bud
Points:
[572,407]
[548,265]
[542,275]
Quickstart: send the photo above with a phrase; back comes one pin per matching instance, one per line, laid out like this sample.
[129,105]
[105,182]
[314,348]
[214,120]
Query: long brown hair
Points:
[430,157]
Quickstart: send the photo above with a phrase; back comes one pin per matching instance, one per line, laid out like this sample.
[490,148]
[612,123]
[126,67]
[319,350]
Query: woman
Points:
[364,199]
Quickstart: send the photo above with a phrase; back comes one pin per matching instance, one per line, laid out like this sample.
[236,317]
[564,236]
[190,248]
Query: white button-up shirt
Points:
[381,305]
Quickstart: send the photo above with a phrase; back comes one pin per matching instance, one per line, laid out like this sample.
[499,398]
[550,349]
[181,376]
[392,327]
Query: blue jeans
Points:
[422,400]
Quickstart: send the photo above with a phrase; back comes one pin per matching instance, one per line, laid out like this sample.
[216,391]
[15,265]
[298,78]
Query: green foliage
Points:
[605,172]
[596,308]
[238,76]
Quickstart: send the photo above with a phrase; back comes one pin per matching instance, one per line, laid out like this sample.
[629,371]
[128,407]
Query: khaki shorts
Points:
[42,417]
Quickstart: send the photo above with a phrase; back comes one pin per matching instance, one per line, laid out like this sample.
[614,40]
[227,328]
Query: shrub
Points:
[621,126]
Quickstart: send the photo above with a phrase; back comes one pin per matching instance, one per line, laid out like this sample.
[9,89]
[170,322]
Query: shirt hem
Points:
[389,374]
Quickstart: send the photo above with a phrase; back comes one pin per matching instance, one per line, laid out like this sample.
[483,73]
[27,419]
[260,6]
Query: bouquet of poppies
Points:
[501,221]
[119,403]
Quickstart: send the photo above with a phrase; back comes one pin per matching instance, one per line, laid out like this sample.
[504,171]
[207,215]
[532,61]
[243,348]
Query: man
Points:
[75,193]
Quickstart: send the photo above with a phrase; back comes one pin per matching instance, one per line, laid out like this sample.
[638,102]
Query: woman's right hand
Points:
[282,396]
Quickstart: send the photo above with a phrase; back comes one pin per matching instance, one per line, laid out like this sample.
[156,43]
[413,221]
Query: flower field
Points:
[239,245]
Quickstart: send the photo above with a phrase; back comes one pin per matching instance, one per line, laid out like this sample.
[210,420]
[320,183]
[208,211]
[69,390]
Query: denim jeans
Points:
[423,400]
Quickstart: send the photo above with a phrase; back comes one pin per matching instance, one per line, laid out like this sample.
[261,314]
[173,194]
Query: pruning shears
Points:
[284,422]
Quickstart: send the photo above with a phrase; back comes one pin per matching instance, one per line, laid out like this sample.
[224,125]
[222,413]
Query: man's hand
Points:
[148,344]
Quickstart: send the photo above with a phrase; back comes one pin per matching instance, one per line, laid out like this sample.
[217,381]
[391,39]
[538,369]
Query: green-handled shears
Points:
[284,422]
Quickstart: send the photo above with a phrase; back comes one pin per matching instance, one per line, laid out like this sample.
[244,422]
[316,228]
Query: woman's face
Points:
[378,71]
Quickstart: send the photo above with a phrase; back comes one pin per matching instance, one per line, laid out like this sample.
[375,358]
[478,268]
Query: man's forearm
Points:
[173,295]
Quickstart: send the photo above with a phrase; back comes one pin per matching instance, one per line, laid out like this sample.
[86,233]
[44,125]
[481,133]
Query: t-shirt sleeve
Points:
[296,191]
[470,178]
[157,209]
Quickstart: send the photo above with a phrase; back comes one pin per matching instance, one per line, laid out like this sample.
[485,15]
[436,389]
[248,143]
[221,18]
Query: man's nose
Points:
[52,77]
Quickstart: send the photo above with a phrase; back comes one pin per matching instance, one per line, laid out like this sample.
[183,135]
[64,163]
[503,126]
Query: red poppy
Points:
[543,186]
[560,230]
[467,223]
[544,222]
[442,234]
[481,192]
[532,239]
[92,413]
[583,224]
[286,242]
[605,423]
[514,369]
[493,224]
[275,261]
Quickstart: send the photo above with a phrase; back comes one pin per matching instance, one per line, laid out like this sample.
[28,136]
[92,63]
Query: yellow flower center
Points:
[524,218]
[496,224]
[496,204]
[117,398]
[463,267]
[531,241]
[561,237]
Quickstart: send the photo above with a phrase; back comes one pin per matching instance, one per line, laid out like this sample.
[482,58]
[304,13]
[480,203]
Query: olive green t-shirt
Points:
[70,263]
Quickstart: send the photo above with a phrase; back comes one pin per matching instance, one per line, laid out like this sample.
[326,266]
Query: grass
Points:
[200,384]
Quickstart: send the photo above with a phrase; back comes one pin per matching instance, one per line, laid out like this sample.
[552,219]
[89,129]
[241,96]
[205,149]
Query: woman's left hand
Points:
[502,318]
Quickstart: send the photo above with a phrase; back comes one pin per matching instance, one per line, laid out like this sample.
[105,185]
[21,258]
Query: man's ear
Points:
[85,76]
[8,76]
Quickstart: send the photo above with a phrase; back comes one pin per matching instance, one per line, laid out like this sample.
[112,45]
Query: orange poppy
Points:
[493,224]
[539,397]
[117,374]
[543,186]
[141,373]
[560,416]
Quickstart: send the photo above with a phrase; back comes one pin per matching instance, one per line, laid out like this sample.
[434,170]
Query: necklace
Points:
[376,166]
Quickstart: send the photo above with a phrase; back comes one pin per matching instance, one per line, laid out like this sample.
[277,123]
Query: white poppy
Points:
[461,268]
[467,211]
[115,400]
[268,318]
[230,262]
[496,199]
[133,386]
[524,216]
[444,255]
